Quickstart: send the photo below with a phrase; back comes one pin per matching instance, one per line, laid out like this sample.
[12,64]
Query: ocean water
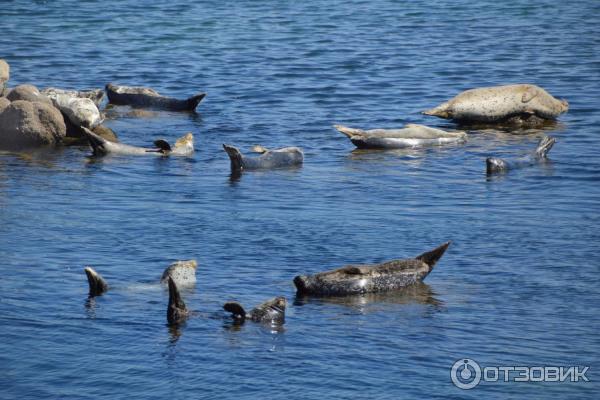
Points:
[518,286]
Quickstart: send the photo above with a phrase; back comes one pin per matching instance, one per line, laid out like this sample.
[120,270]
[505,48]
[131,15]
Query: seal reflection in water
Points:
[498,165]
[270,312]
[359,279]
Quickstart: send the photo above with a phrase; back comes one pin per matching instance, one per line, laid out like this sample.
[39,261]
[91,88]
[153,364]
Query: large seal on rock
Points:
[269,159]
[81,112]
[270,312]
[497,165]
[146,97]
[412,135]
[501,103]
[359,279]
[184,146]
[96,95]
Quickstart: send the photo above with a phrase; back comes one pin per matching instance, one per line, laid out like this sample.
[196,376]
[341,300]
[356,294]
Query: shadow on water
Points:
[514,129]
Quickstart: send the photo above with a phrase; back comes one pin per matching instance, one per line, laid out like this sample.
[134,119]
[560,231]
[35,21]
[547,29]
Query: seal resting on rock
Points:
[498,165]
[96,95]
[146,97]
[359,279]
[500,104]
[81,112]
[280,158]
[270,312]
[412,135]
[184,146]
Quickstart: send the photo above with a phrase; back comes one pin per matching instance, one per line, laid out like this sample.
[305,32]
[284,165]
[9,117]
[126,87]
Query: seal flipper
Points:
[235,156]
[235,309]
[544,146]
[195,100]
[177,312]
[349,131]
[97,143]
[432,257]
[98,285]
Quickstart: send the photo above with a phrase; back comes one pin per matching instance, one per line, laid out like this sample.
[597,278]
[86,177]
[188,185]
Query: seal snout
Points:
[494,165]
[300,283]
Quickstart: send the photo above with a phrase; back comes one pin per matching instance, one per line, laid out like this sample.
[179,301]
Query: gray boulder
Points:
[27,93]
[4,75]
[29,124]
[4,102]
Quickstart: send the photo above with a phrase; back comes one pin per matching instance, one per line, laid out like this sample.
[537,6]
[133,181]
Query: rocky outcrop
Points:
[29,124]
[27,93]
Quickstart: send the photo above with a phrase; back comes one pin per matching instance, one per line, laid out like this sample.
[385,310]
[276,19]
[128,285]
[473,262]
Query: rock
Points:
[4,75]
[28,124]
[106,133]
[4,102]
[81,112]
[96,95]
[76,136]
[28,93]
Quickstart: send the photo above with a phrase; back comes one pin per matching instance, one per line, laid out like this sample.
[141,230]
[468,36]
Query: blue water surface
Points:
[519,285]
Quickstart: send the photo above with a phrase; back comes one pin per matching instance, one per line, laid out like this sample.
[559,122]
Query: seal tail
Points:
[97,284]
[349,131]
[432,257]
[544,146]
[236,310]
[195,100]
[439,111]
[97,143]
[177,310]
[235,156]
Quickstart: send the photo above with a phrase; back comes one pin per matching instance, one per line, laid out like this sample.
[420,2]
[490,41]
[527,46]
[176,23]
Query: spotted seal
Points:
[279,158]
[359,279]
[411,135]
[498,165]
[501,103]
[184,146]
[270,312]
[146,97]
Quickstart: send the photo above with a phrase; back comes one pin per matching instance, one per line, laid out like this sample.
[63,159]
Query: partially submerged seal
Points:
[96,282]
[270,312]
[359,279]
[497,165]
[146,97]
[279,158]
[177,311]
[411,135]
[501,103]
[184,146]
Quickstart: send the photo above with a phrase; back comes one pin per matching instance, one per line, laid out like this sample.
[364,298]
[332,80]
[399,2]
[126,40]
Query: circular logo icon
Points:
[465,373]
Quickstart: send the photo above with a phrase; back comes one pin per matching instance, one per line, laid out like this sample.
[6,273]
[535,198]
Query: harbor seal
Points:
[177,311]
[411,135]
[498,165]
[182,273]
[96,95]
[279,158]
[184,146]
[146,97]
[500,104]
[360,279]
[270,312]
[80,111]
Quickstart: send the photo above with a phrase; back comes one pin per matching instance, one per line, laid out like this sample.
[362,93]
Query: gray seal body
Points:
[411,135]
[501,104]
[376,278]
[271,311]
[269,159]
[149,98]
[496,165]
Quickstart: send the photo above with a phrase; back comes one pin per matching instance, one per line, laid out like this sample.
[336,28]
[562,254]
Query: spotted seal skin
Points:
[146,97]
[184,146]
[376,278]
[270,312]
[498,165]
[411,135]
[177,311]
[96,95]
[97,284]
[80,111]
[269,159]
[501,104]
[183,273]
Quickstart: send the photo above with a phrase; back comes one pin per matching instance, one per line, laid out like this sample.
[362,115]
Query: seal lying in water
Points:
[359,279]
[497,165]
[270,312]
[412,135]
[146,97]
[183,273]
[280,158]
[501,103]
[184,146]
